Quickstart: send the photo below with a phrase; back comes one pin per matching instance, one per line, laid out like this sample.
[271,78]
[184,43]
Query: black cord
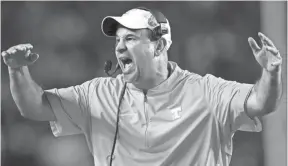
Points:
[117,123]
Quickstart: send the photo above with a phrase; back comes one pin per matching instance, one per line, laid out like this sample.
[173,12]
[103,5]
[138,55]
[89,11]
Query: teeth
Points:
[128,65]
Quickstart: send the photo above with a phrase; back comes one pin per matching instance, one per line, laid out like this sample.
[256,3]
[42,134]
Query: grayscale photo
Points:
[148,83]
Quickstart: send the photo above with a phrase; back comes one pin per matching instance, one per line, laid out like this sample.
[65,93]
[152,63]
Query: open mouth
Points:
[127,63]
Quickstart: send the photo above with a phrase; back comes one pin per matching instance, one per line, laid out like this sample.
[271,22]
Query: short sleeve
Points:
[71,108]
[227,99]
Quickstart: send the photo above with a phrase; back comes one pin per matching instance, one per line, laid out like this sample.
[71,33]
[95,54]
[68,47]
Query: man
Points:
[154,113]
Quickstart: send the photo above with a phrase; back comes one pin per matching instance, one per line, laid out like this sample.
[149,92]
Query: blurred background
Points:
[208,37]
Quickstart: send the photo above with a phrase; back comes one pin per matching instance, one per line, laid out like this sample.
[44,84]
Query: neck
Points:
[161,74]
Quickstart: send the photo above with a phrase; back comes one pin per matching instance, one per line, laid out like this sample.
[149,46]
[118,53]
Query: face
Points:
[135,54]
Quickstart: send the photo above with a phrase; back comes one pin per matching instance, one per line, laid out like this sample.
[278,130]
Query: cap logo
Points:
[152,21]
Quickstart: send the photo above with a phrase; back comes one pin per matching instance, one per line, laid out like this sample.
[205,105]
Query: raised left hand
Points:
[268,56]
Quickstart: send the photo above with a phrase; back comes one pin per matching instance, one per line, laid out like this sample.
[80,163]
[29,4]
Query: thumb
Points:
[33,57]
[254,46]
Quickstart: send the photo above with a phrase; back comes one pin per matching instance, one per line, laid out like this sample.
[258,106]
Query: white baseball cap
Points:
[136,18]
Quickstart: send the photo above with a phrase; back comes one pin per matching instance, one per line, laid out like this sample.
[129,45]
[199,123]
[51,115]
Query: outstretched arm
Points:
[28,96]
[67,109]
[267,92]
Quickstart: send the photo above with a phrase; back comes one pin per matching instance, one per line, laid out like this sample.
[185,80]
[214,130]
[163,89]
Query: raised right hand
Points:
[19,55]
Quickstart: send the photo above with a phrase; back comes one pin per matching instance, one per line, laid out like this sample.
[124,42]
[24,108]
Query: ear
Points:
[160,46]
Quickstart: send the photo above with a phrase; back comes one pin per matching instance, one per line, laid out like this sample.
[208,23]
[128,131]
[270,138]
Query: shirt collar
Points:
[165,85]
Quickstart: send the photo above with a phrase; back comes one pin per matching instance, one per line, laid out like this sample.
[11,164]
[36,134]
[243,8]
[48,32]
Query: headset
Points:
[162,28]
[158,31]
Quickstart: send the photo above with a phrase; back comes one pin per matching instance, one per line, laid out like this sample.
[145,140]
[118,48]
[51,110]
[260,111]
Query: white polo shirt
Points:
[186,120]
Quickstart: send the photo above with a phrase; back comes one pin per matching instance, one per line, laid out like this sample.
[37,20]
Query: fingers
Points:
[24,48]
[4,54]
[11,51]
[265,40]
[27,54]
[29,46]
[19,55]
[273,50]
[277,63]
[254,46]
[20,47]
[277,59]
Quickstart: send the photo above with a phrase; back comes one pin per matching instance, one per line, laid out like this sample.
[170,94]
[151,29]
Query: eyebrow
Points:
[129,34]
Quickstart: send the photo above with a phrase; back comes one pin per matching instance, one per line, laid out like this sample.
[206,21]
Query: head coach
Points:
[154,113]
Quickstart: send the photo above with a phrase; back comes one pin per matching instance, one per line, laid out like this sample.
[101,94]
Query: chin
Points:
[131,78]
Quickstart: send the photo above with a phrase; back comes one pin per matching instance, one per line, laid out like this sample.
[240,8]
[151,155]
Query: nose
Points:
[121,47]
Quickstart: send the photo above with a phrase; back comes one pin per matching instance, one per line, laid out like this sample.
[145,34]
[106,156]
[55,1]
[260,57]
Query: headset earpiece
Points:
[162,29]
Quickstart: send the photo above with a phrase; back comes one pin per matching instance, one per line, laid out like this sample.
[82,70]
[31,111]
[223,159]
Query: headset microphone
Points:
[108,67]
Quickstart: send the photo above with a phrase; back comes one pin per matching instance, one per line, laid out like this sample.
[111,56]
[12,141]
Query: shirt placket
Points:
[147,120]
